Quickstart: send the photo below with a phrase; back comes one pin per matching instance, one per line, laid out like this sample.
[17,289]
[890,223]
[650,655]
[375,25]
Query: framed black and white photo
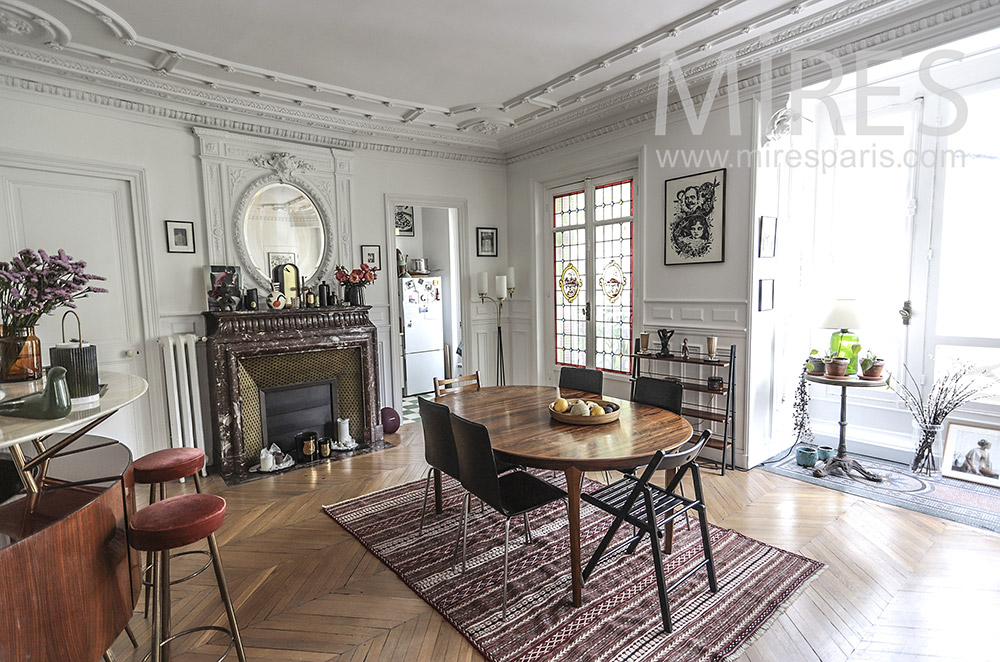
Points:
[694,209]
[180,236]
[278,258]
[765,294]
[372,256]
[404,221]
[968,452]
[768,236]
[486,242]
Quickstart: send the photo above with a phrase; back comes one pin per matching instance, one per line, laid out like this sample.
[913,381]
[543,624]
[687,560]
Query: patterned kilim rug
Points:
[948,498]
[620,618]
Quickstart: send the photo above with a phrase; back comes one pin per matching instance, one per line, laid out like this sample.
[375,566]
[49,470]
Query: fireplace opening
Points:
[288,410]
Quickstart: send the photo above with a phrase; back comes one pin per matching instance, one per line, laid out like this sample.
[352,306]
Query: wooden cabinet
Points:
[704,401]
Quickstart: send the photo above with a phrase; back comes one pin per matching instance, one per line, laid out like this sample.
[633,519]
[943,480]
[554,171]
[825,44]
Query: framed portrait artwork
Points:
[969,451]
[694,209]
[372,256]
[404,221]
[487,242]
[180,236]
[768,236]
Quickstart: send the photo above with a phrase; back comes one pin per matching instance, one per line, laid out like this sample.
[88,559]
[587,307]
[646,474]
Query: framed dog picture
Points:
[695,218]
[969,452]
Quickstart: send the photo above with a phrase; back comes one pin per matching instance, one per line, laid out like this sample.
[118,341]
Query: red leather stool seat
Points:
[177,521]
[168,464]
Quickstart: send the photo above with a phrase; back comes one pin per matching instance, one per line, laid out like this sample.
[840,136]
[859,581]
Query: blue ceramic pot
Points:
[805,456]
[824,453]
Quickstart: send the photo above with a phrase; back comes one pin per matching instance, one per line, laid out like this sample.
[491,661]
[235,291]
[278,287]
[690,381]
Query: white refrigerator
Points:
[423,333]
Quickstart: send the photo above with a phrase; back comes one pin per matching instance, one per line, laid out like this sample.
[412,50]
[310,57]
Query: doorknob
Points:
[586,311]
[130,353]
[906,312]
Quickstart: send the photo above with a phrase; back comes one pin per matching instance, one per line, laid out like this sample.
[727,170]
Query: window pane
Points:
[613,201]
[613,298]
[569,248]
[568,209]
[970,230]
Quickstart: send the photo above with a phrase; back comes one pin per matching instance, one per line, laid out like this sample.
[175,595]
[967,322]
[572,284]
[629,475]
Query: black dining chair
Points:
[439,447]
[649,508]
[582,379]
[664,394]
[512,494]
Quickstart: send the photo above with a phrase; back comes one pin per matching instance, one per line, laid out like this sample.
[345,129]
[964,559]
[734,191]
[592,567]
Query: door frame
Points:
[135,179]
[395,343]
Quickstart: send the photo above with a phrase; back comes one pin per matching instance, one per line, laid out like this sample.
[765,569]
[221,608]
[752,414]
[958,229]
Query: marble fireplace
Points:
[249,352]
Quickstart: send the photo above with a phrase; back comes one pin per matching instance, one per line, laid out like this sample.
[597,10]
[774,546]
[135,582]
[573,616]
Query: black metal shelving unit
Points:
[724,413]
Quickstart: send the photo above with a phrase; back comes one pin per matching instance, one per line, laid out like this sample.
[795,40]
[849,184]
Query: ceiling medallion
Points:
[487,128]
[283,164]
[613,281]
[569,282]
[10,24]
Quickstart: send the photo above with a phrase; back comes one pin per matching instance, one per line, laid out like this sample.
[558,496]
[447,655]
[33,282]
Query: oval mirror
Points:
[281,225]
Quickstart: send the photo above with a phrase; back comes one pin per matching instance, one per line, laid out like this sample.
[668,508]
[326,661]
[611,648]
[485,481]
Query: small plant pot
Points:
[805,456]
[814,365]
[824,453]
[875,371]
[837,367]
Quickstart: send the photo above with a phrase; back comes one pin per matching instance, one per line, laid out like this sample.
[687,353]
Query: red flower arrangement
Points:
[361,276]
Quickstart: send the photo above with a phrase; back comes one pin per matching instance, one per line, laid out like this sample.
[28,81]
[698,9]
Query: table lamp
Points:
[844,316]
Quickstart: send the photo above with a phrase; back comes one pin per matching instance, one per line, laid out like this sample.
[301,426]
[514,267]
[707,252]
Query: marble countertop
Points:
[122,390]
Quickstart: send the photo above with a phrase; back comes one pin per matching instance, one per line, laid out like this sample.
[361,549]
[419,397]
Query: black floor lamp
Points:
[504,290]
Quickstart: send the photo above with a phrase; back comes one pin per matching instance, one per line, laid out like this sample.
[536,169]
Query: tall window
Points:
[592,273]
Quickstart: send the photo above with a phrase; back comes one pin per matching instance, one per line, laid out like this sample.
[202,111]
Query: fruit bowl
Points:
[574,419]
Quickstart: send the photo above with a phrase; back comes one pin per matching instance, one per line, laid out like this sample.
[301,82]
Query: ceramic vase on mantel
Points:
[20,355]
[354,294]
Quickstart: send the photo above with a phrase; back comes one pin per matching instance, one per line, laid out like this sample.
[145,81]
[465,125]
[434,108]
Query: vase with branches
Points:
[960,384]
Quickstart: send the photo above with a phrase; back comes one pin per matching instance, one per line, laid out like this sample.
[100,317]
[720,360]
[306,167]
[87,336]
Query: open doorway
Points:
[426,303]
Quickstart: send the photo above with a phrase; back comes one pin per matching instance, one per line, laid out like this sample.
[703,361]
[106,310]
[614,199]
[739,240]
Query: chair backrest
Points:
[582,379]
[448,386]
[477,468]
[659,393]
[439,442]
[683,455]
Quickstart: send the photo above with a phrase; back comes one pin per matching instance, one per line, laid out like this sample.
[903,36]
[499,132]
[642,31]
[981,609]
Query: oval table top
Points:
[522,429]
[851,380]
[123,389]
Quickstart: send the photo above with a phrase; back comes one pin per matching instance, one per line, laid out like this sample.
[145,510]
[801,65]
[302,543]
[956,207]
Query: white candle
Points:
[344,430]
[501,287]
[266,460]
[483,283]
[510,278]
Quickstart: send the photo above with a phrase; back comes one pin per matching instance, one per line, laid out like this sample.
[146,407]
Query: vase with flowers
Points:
[33,284]
[960,384]
[354,282]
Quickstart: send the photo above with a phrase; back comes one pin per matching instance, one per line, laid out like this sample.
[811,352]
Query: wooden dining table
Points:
[523,432]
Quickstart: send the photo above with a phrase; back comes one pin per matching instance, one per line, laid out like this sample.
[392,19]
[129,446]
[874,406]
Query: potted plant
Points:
[836,366]
[814,364]
[872,366]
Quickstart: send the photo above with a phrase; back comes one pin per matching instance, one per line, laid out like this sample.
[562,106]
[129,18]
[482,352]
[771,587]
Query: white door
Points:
[91,218]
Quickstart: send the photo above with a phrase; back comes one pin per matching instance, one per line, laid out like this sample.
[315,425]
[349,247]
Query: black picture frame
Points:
[180,236]
[487,242]
[694,218]
[405,223]
[767,237]
[765,294]
[372,256]
[223,288]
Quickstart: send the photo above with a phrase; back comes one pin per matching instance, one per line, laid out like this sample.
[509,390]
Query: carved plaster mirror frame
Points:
[236,167]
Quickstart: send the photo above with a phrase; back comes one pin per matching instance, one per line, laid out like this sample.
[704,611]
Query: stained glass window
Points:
[597,308]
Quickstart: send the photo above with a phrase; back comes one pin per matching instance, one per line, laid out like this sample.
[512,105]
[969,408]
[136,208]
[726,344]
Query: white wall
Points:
[696,300]
[168,154]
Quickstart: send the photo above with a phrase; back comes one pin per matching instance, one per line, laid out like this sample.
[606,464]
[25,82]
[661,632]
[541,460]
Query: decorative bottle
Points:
[324,295]
[276,299]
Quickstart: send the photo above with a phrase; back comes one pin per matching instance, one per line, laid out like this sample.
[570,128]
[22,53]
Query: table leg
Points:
[668,528]
[574,484]
[841,464]
[438,501]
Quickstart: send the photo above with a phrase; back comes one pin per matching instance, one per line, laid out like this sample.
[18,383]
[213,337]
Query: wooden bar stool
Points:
[156,469]
[167,525]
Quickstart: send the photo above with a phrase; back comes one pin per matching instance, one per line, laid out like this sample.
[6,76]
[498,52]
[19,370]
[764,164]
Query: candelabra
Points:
[504,290]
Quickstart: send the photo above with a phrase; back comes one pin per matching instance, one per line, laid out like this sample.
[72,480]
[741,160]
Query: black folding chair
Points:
[664,394]
[512,494]
[649,508]
[582,379]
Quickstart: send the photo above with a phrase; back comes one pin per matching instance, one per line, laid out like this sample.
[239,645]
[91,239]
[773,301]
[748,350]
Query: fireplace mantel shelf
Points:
[236,337]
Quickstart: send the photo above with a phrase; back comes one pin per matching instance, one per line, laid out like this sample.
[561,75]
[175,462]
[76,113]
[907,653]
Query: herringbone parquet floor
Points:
[900,585]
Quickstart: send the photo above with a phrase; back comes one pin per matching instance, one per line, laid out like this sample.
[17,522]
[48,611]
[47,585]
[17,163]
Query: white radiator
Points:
[180,372]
